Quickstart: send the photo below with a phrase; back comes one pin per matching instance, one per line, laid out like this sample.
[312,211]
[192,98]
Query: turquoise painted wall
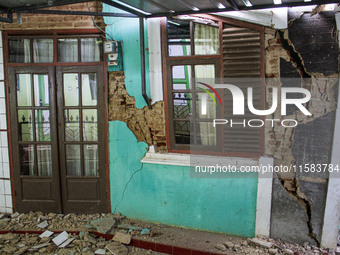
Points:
[167,194]
[163,193]
[127,31]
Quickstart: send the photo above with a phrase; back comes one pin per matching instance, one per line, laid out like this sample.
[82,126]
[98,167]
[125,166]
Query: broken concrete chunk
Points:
[103,225]
[38,247]
[289,252]
[122,238]
[67,242]
[89,238]
[59,239]
[52,247]
[100,252]
[220,247]
[145,231]
[47,233]
[21,250]
[261,243]
[43,224]
[117,248]
[15,215]
[229,245]
[9,236]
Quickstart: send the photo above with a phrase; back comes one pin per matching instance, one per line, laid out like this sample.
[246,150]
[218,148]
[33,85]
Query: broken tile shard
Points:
[122,238]
[67,242]
[145,231]
[59,239]
[43,224]
[47,233]
[100,252]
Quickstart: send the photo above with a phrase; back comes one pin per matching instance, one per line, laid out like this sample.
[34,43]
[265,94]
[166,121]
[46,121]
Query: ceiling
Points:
[152,8]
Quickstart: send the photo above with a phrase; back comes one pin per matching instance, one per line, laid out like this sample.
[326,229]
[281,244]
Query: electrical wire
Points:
[94,23]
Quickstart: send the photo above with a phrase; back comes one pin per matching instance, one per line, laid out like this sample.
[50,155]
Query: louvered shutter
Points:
[242,64]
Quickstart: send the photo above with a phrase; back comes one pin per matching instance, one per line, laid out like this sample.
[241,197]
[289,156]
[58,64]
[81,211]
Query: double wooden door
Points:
[58,138]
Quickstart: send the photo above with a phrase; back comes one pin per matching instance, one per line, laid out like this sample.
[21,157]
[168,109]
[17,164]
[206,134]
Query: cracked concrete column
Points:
[330,229]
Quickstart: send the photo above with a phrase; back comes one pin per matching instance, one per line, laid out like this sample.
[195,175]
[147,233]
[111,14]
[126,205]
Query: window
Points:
[70,49]
[198,53]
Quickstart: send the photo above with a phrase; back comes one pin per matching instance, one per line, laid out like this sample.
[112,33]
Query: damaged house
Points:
[101,111]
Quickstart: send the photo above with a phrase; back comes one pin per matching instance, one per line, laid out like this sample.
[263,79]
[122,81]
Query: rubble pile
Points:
[263,245]
[56,240]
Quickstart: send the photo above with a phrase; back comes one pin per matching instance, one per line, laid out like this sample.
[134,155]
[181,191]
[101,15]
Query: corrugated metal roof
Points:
[154,8]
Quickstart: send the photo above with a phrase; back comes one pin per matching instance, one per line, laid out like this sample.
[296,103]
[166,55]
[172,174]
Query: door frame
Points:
[104,63]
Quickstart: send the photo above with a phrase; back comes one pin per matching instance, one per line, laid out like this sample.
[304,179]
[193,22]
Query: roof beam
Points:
[61,12]
[245,8]
[233,4]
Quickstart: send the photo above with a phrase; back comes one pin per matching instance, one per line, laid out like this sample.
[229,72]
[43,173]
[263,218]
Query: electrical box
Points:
[113,50]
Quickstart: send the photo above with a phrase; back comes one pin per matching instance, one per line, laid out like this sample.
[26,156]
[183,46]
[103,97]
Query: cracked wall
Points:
[307,49]
[148,125]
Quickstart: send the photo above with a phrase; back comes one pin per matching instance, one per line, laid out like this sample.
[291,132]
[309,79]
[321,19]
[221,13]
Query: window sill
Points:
[177,159]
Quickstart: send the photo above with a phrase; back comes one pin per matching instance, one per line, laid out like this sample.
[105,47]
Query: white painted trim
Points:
[177,159]
[331,221]
[155,59]
[264,199]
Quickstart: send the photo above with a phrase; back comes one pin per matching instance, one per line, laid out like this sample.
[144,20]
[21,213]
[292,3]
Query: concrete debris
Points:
[15,215]
[122,238]
[103,225]
[220,247]
[117,248]
[261,243]
[89,238]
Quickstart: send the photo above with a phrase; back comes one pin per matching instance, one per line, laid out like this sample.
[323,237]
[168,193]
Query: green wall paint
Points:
[163,193]
[127,31]
[167,194]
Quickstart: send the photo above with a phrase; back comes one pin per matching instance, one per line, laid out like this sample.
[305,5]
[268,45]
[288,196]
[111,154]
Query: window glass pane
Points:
[42,50]
[26,159]
[89,89]
[25,118]
[182,105]
[205,73]
[73,163]
[71,89]
[206,39]
[206,105]
[206,133]
[24,90]
[41,95]
[181,77]
[19,51]
[182,132]
[91,49]
[42,125]
[72,129]
[68,50]
[90,131]
[44,160]
[178,38]
[91,160]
